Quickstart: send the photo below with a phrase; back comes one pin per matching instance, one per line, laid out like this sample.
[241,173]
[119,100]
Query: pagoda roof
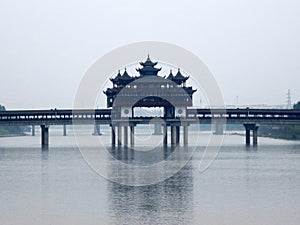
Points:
[116,78]
[179,78]
[148,62]
[170,76]
[148,68]
[125,78]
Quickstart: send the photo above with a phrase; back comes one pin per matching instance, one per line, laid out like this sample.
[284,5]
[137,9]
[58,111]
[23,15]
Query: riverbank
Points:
[8,134]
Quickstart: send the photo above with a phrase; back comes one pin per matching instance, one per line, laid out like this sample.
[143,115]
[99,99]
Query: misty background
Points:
[251,47]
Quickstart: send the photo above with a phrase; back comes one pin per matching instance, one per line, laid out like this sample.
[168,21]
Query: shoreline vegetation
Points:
[287,132]
[6,131]
[12,131]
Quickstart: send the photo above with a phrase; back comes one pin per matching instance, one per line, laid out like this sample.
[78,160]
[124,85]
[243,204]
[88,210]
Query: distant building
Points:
[148,89]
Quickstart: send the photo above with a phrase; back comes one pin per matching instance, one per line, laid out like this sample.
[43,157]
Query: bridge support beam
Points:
[219,128]
[65,130]
[185,135]
[97,129]
[247,136]
[254,128]
[255,136]
[33,130]
[125,136]
[45,136]
[157,129]
[177,135]
[173,135]
[113,135]
[119,135]
[131,135]
[165,135]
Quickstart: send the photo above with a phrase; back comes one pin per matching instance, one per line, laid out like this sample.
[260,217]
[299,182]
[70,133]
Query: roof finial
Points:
[148,58]
[125,69]
[170,70]
[178,69]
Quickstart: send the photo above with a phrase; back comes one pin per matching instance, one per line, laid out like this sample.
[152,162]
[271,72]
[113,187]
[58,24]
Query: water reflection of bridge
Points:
[122,129]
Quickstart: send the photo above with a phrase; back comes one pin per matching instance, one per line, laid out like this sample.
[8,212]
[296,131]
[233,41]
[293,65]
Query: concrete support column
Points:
[157,129]
[165,133]
[119,135]
[65,130]
[253,128]
[33,130]
[113,136]
[177,134]
[185,135]
[45,136]
[97,129]
[247,136]
[131,136]
[219,128]
[125,136]
[173,135]
[255,136]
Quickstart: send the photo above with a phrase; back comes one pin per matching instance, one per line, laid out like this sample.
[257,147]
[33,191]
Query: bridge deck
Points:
[103,116]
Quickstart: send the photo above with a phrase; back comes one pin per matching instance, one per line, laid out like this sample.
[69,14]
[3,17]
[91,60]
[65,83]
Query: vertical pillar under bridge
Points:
[219,128]
[45,136]
[185,135]
[113,135]
[131,135]
[65,130]
[254,128]
[165,135]
[125,136]
[173,135]
[119,135]
[33,130]
[97,129]
[177,135]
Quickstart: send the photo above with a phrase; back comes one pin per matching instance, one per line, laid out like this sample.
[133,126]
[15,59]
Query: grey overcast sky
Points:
[251,46]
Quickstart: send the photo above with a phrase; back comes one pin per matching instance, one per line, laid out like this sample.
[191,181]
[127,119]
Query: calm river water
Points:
[243,186]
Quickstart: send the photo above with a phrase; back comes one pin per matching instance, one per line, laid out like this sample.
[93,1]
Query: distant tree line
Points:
[291,132]
[297,105]
[11,130]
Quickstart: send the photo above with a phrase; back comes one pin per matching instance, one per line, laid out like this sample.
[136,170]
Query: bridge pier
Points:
[185,135]
[113,135]
[255,136]
[131,135]
[65,130]
[32,130]
[119,135]
[45,136]
[219,128]
[177,135]
[157,129]
[173,135]
[125,136]
[97,129]
[254,128]
[165,134]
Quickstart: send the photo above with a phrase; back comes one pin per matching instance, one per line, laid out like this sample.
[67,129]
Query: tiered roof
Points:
[148,68]
[123,79]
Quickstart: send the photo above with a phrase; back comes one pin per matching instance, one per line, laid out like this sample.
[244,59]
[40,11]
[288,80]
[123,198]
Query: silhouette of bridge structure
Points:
[250,118]
[149,90]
